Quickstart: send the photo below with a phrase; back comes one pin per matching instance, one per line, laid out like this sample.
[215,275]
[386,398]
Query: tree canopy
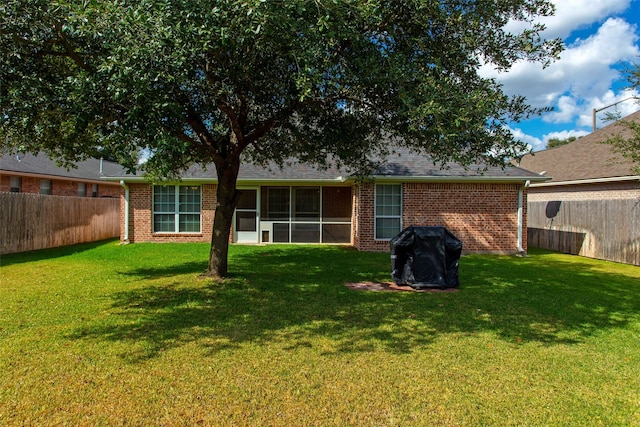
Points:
[557,142]
[230,81]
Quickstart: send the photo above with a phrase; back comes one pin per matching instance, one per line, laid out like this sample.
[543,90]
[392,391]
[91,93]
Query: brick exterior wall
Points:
[483,216]
[597,191]
[59,187]
[141,221]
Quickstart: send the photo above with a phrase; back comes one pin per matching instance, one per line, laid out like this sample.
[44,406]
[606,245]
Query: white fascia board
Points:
[243,182]
[52,177]
[349,180]
[461,179]
[589,181]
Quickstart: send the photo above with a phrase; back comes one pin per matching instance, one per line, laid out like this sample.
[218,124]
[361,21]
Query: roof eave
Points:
[240,182]
[462,179]
[588,181]
[344,180]
[50,176]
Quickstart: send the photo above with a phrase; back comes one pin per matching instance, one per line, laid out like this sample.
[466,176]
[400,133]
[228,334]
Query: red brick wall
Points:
[60,187]
[483,216]
[141,221]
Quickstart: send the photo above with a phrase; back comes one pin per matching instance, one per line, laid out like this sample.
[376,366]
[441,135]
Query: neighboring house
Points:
[591,205]
[26,173]
[486,210]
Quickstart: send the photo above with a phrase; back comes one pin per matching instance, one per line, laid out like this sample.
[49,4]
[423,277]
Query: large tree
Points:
[224,82]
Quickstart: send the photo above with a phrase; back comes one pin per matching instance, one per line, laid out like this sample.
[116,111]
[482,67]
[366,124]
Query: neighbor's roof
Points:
[584,159]
[41,165]
[398,167]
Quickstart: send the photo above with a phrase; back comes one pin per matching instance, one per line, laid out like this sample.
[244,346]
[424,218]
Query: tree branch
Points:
[235,121]
[70,51]
[197,124]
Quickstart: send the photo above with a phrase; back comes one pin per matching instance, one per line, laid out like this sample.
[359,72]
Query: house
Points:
[486,209]
[27,173]
[591,204]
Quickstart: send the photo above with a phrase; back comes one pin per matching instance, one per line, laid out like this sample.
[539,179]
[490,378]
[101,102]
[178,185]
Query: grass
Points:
[102,334]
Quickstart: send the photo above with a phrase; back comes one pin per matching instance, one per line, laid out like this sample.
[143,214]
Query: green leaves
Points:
[200,75]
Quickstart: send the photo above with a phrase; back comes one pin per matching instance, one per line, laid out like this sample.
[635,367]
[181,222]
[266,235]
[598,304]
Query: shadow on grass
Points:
[296,297]
[51,253]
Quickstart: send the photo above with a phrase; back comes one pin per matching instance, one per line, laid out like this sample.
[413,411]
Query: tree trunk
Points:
[226,200]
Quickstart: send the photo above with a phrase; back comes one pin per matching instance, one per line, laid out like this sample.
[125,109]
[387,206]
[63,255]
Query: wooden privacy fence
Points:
[34,221]
[604,229]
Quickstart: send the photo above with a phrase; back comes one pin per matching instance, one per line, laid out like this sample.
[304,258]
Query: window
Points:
[45,186]
[82,189]
[94,190]
[16,184]
[388,210]
[176,209]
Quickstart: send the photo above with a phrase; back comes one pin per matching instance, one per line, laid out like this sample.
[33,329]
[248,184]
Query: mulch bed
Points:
[391,287]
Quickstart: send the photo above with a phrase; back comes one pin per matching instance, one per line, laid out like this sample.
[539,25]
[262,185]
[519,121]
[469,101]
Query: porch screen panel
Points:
[275,203]
[247,200]
[246,221]
[305,233]
[306,203]
[336,233]
[336,204]
[280,233]
[246,211]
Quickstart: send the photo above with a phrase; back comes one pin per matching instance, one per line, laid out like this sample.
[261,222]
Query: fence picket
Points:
[604,229]
[33,221]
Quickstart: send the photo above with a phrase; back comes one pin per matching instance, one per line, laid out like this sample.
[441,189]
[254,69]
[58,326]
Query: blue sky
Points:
[601,37]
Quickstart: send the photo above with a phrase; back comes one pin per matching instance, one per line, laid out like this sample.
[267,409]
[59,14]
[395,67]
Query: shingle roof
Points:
[405,166]
[41,164]
[409,165]
[585,158]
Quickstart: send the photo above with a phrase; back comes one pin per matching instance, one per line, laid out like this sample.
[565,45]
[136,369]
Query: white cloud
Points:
[571,15]
[565,111]
[534,143]
[537,144]
[584,70]
[565,134]
[586,76]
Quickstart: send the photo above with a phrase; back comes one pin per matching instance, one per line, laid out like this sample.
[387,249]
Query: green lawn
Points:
[103,334]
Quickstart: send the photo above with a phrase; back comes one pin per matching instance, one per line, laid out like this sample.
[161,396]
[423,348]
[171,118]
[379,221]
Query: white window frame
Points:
[15,185]
[46,186]
[82,189]
[175,211]
[378,215]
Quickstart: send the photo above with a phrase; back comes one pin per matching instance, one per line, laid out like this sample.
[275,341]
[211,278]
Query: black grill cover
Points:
[425,257]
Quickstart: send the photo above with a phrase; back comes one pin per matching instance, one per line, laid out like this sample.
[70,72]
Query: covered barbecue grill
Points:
[425,257]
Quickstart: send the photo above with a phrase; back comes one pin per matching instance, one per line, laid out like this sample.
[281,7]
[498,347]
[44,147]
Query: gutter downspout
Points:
[125,238]
[521,250]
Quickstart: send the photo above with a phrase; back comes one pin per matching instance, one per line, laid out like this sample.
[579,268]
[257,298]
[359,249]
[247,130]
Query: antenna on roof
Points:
[605,107]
